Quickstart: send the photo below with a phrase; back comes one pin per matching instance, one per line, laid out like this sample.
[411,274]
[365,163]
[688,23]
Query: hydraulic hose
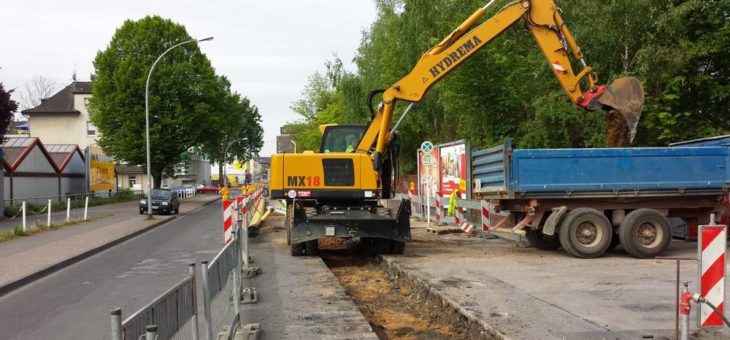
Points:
[714,308]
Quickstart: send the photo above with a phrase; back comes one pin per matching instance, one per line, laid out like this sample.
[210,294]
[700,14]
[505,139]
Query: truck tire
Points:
[585,233]
[645,233]
[541,241]
[297,249]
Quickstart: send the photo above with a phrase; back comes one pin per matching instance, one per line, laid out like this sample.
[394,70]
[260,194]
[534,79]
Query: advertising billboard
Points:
[454,168]
[101,170]
[428,175]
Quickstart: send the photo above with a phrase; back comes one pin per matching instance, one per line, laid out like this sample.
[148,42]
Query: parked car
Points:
[208,189]
[164,201]
[189,190]
[179,189]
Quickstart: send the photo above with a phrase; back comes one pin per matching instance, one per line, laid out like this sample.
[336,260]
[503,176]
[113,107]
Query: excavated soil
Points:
[395,307]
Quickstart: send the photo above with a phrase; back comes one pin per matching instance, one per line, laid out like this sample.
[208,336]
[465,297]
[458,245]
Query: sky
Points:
[268,49]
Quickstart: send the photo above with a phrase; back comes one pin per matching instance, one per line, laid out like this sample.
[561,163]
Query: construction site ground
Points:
[521,292]
[457,286]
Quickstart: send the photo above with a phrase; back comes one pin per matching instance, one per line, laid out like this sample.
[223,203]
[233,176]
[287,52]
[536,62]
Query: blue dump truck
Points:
[588,201]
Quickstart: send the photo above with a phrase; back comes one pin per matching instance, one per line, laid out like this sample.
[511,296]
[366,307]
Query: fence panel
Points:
[174,313]
[220,285]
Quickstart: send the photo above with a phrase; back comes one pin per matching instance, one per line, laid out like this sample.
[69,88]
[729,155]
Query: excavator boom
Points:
[543,19]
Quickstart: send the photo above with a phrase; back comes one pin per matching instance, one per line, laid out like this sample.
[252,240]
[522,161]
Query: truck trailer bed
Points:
[683,170]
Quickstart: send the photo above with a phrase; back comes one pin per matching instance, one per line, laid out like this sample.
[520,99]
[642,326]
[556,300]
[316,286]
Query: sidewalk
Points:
[25,259]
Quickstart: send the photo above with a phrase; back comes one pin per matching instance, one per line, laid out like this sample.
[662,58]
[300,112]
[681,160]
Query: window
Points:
[90,129]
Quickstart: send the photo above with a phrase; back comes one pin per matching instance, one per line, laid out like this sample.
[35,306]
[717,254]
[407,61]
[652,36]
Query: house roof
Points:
[63,101]
[17,148]
[124,169]
[62,154]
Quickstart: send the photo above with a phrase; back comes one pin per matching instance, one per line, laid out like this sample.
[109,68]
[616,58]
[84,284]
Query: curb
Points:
[490,330]
[13,285]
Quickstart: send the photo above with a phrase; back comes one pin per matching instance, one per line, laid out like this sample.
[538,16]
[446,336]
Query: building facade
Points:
[64,117]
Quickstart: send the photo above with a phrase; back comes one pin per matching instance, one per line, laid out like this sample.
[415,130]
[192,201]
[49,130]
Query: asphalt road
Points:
[74,303]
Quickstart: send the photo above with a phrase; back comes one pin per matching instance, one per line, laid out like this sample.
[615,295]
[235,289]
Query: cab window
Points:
[341,138]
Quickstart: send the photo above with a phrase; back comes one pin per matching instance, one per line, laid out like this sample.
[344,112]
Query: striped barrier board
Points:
[485,216]
[438,207]
[712,246]
[227,220]
[463,224]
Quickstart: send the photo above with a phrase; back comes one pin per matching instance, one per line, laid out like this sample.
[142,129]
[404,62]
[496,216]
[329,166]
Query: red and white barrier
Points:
[484,216]
[228,212]
[712,244]
[463,224]
[439,211]
[412,197]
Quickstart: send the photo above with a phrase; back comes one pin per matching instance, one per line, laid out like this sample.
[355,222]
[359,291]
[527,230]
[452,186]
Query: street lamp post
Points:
[295,145]
[225,154]
[147,118]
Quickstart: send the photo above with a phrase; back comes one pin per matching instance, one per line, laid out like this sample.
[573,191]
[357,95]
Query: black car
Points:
[164,201]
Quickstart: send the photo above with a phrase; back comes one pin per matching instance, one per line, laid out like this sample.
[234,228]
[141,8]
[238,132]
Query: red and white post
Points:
[227,220]
[712,245]
[485,216]
[439,211]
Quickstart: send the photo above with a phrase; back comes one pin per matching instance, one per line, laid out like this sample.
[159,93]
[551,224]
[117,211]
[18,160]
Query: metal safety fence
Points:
[174,314]
[220,288]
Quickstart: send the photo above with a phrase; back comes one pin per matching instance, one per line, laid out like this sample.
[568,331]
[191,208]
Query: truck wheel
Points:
[541,241]
[645,233]
[297,249]
[397,247]
[585,233]
[311,247]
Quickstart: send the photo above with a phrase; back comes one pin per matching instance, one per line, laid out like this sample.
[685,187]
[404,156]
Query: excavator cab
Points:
[340,138]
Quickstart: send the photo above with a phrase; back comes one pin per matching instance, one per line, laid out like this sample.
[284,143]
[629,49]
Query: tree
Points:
[237,122]
[38,88]
[184,92]
[7,109]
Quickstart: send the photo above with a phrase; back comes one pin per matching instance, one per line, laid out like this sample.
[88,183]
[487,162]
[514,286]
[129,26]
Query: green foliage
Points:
[236,126]
[678,49]
[7,108]
[184,92]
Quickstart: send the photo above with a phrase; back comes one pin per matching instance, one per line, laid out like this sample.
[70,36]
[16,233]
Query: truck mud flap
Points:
[356,223]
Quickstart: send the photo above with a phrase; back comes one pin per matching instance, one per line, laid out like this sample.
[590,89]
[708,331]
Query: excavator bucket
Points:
[625,99]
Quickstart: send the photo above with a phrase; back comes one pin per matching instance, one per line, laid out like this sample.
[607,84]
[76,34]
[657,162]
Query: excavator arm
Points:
[543,19]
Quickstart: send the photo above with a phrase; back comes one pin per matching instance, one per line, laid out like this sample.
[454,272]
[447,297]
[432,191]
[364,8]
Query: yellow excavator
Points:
[338,192]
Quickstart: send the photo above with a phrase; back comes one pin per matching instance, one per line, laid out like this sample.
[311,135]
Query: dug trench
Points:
[396,306]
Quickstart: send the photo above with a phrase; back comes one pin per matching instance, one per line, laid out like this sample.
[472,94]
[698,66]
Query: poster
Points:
[453,166]
[430,187]
[101,170]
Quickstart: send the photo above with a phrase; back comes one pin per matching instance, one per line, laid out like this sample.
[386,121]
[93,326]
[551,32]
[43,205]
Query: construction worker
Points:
[453,202]
[350,139]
